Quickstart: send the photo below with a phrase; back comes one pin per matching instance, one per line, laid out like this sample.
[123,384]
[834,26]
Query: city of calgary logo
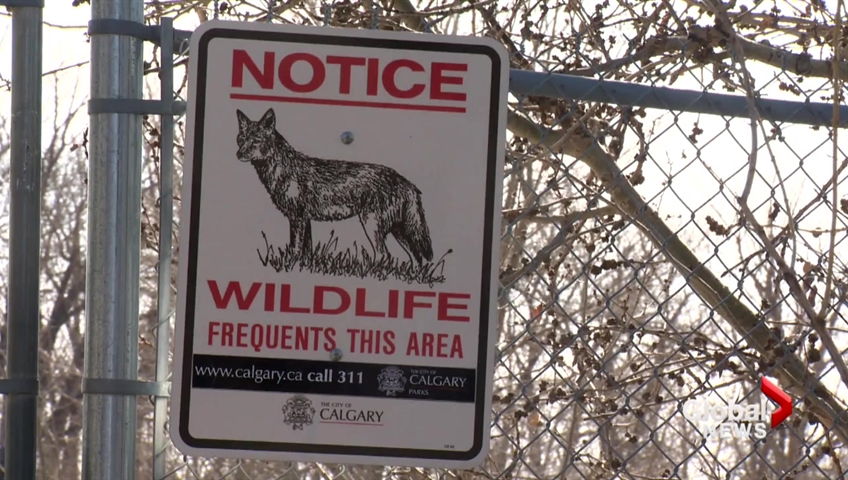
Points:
[391,381]
[740,420]
[298,412]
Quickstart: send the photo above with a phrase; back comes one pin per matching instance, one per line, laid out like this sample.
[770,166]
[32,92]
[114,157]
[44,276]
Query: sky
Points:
[65,48]
[63,45]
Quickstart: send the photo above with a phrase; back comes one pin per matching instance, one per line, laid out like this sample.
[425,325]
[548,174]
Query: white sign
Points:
[339,245]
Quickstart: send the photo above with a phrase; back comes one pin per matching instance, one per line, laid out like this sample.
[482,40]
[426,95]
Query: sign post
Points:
[339,245]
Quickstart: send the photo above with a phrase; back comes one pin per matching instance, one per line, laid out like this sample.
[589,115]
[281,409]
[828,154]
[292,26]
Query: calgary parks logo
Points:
[734,420]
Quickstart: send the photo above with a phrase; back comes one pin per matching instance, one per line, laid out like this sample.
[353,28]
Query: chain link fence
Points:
[633,281]
[660,247]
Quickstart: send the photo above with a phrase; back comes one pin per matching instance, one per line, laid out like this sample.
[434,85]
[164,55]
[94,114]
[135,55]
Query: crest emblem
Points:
[391,381]
[298,412]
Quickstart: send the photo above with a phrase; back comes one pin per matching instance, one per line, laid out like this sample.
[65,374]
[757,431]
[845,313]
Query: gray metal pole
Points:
[114,215]
[166,217]
[24,242]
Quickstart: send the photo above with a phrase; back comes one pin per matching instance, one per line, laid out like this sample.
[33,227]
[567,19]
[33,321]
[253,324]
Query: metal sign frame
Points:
[188,280]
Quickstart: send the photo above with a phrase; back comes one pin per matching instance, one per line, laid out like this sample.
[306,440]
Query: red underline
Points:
[355,423]
[347,103]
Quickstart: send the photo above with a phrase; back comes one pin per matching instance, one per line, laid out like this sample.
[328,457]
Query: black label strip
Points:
[333,378]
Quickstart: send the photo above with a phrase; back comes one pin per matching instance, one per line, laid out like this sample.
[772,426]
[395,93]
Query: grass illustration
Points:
[325,258]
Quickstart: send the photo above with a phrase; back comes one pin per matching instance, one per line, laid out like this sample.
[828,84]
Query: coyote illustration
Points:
[305,188]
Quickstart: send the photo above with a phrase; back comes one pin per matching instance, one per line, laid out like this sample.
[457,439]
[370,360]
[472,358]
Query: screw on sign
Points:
[337,298]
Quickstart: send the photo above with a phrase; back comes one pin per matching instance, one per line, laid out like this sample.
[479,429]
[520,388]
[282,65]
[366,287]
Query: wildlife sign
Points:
[339,247]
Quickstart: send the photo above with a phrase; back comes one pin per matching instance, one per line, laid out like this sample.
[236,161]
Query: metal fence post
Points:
[112,283]
[166,209]
[24,245]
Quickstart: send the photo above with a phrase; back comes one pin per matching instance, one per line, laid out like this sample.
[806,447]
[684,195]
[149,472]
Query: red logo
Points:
[778,396]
